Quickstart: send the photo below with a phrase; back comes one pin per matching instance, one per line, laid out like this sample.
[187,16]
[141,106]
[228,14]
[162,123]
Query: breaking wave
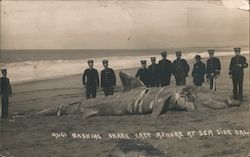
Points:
[45,69]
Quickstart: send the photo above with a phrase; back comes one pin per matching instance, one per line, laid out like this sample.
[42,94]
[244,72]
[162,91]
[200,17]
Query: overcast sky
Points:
[120,25]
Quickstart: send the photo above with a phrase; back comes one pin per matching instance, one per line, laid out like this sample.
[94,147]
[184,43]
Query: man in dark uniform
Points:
[6,92]
[154,73]
[143,73]
[236,72]
[199,71]
[180,69]
[108,79]
[92,80]
[165,70]
[213,69]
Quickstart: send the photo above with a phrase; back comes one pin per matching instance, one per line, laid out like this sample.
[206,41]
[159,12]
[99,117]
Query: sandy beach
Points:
[19,134]
[45,46]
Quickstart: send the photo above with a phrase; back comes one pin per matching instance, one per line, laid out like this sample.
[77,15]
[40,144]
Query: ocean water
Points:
[10,56]
[29,66]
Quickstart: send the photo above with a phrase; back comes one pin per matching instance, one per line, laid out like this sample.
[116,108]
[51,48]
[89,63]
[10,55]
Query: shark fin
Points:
[49,112]
[163,100]
[89,113]
[129,82]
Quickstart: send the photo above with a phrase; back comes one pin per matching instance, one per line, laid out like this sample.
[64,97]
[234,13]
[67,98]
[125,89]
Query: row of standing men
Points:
[159,75]
[154,76]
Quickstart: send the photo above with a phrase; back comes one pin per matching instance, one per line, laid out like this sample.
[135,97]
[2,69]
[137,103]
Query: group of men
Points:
[159,75]
[90,80]
[156,75]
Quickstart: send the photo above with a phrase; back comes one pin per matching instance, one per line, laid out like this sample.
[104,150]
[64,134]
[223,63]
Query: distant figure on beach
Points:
[180,69]
[92,80]
[236,73]
[213,69]
[108,79]
[143,73]
[154,73]
[199,71]
[6,92]
[165,70]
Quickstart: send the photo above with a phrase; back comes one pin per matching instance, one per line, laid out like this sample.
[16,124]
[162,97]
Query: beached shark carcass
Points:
[136,98]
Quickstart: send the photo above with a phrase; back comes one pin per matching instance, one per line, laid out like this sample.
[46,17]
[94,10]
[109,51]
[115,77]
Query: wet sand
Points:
[31,136]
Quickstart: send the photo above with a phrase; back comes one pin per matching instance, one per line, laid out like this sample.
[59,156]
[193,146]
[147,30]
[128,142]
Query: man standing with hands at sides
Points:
[6,92]
[213,69]
[236,73]
[199,71]
[108,79]
[143,73]
[92,80]
[180,69]
[154,73]
[165,70]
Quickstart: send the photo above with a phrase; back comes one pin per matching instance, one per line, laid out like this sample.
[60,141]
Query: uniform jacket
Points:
[5,86]
[154,72]
[199,70]
[234,69]
[165,68]
[108,78]
[180,67]
[92,77]
[144,75]
[213,66]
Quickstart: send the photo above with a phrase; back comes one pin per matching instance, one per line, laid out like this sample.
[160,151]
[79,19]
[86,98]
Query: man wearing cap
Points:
[180,69]
[6,92]
[236,72]
[143,73]
[92,80]
[154,73]
[213,69]
[108,79]
[165,70]
[199,71]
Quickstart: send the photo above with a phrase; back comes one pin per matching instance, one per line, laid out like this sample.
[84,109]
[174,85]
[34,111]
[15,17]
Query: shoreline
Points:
[58,77]
[219,54]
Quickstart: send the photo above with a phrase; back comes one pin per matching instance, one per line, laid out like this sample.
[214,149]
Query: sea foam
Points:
[45,69]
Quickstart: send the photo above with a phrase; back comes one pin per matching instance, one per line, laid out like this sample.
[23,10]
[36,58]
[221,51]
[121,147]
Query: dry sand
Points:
[31,136]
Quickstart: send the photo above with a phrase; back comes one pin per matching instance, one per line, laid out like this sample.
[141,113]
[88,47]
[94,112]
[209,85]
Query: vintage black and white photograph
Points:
[124,78]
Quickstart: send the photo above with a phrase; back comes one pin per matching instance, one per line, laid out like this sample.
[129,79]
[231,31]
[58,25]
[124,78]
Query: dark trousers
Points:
[108,90]
[165,81]
[198,81]
[91,91]
[237,85]
[180,80]
[5,106]
[198,84]
[211,83]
